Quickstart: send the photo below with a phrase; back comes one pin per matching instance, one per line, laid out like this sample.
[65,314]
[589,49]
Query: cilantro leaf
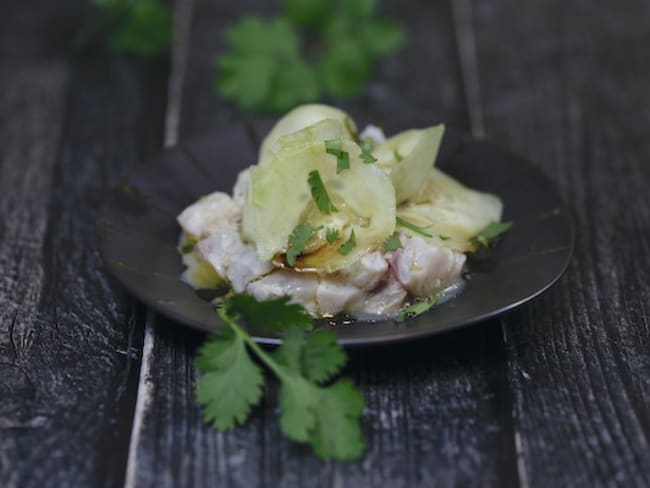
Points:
[327,418]
[319,193]
[348,245]
[140,27]
[317,357]
[332,235]
[274,315]
[415,309]
[264,69]
[398,157]
[391,243]
[413,227]
[297,241]
[322,356]
[307,13]
[230,383]
[489,233]
[444,237]
[366,157]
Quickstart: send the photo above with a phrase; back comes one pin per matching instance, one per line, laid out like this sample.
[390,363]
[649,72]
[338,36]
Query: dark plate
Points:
[138,233]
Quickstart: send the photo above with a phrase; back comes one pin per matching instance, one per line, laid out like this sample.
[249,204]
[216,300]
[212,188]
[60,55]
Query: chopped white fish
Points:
[367,272]
[241,187]
[301,287]
[335,295]
[385,301]
[232,259]
[212,213]
[373,132]
[424,268]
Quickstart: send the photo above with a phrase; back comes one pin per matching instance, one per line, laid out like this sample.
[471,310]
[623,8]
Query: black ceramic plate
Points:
[138,233]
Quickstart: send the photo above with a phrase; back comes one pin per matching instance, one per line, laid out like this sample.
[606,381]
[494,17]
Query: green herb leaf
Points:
[366,157]
[297,241]
[140,27]
[264,69]
[391,243]
[415,309]
[332,235]
[319,193]
[273,315]
[333,147]
[230,383]
[413,227]
[347,247]
[443,237]
[489,233]
[398,156]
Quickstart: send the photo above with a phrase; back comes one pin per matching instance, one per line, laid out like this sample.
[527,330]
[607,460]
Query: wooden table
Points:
[97,390]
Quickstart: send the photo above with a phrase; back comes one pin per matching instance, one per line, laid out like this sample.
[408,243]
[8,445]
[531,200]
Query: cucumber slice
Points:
[279,199]
[417,149]
[299,118]
[450,212]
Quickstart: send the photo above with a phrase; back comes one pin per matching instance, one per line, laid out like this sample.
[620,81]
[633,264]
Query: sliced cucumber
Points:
[279,199]
[299,118]
[450,212]
[408,157]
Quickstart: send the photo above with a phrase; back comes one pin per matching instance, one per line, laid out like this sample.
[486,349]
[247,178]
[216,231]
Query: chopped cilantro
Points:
[413,227]
[398,156]
[443,237]
[319,193]
[348,245]
[366,157]
[415,309]
[333,147]
[392,243]
[489,233]
[297,241]
[332,235]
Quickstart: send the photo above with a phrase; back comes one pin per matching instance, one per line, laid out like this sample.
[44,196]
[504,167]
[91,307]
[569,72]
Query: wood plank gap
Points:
[466,44]
[182,22]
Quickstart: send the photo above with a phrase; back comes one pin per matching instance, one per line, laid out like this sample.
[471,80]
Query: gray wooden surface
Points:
[97,391]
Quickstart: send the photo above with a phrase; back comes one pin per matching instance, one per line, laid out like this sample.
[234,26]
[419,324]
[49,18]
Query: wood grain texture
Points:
[438,411]
[566,84]
[69,336]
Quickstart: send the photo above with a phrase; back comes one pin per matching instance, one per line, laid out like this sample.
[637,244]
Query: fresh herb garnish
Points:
[297,241]
[415,309]
[413,227]
[367,144]
[319,193]
[332,235]
[266,67]
[443,237]
[230,383]
[348,245]
[489,233]
[391,243]
[398,156]
[333,147]
[366,157]
[140,27]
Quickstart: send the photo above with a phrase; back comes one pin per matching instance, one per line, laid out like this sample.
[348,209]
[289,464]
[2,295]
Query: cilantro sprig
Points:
[230,384]
[315,48]
[140,27]
[297,241]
